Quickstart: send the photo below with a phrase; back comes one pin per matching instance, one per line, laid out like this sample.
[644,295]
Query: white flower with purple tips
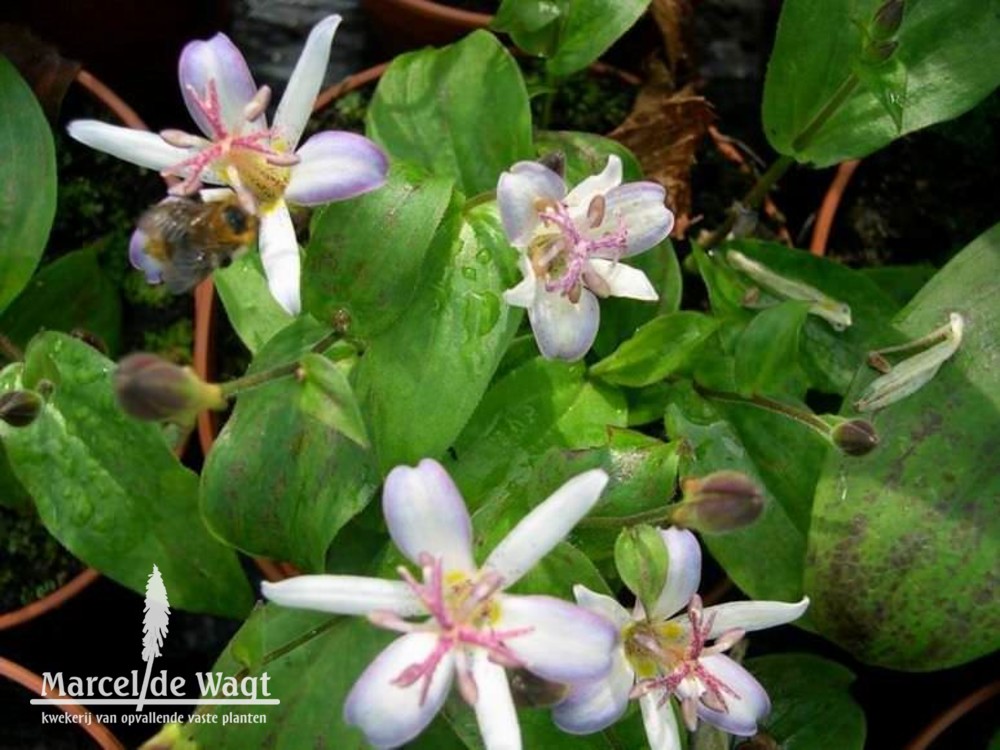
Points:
[666,655]
[264,165]
[470,629]
[572,244]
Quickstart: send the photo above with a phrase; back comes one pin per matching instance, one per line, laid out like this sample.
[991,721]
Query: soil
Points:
[479,6]
[34,563]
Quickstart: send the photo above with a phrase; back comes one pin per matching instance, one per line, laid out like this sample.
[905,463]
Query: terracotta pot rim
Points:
[430,9]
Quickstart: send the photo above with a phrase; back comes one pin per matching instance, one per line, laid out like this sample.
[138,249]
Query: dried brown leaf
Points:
[674,19]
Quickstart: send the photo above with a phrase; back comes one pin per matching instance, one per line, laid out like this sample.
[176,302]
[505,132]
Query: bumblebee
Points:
[185,239]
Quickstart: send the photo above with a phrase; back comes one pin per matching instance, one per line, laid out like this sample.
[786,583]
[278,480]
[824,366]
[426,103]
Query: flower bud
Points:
[879,52]
[887,19]
[20,408]
[722,501]
[531,691]
[855,437]
[153,389]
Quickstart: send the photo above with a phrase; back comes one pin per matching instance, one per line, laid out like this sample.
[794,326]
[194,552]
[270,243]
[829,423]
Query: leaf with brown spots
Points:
[664,130]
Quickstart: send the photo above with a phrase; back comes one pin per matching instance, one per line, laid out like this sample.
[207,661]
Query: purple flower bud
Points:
[20,408]
[152,389]
[723,501]
[887,19]
[855,437]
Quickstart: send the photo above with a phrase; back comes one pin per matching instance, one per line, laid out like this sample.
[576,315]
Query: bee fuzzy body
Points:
[188,239]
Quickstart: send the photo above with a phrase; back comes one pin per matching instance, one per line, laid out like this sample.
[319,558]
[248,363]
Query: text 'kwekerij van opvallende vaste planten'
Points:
[506,393]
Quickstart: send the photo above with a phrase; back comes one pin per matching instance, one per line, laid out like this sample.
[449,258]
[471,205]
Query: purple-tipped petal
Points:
[597,704]
[495,711]
[624,281]
[544,527]
[135,146]
[519,192]
[563,329]
[336,166]
[750,616]
[425,513]
[660,723]
[141,260]
[639,207]
[218,60]
[746,708]
[599,184]
[601,604]
[279,252]
[563,642]
[344,595]
[391,715]
[683,571]
[297,102]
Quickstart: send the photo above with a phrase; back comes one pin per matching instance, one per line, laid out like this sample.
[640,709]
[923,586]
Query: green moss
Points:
[174,342]
[33,563]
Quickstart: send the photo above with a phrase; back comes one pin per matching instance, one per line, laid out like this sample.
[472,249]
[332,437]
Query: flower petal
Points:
[640,208]
[660,722]
[344,595]
[494,707]
[426,514]
[603,605]
[545,526]
[598,184]
[746,708]
[563,642]
[564,329]
[625,281]
[142,260]
[336,166]
[279,252]
[518,192]
[217,60]
[391,715]
[135,146]
[596,704]
[297,102]
[683,571]
[523,295]
[750,616]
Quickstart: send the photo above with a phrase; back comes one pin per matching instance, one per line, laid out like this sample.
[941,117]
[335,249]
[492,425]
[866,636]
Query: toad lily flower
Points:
[471,630]
[262,164]
[662,656]
[571,246]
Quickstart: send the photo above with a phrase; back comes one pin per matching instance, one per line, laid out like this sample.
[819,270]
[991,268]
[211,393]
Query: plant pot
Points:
[402,25]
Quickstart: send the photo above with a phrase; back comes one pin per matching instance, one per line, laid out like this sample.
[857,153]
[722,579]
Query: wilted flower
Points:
[572,244]
[662,656]
[472,630]
[261,163]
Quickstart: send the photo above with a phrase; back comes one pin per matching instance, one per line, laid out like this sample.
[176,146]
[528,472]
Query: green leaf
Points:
[420,380]
[250,307]
[366,256]
[900,282]
[541,404]
[461,111]
[327,396]
[641,562]
[280,483]
[767,352]
[949,53]
[904,541]
[829,358]
[71,293]
[571,34]
[658,349]
[27,182]
[811,703]
[12,492]
[783,458]
[312,660]
[109,489]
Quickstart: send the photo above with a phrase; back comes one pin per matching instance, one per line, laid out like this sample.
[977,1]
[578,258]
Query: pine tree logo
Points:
[156,613]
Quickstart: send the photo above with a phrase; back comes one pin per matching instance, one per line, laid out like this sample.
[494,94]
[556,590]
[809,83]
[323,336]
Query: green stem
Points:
[805,418]
[619,522]
[292,645]
[247,382]
[752,200]
[829,109]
